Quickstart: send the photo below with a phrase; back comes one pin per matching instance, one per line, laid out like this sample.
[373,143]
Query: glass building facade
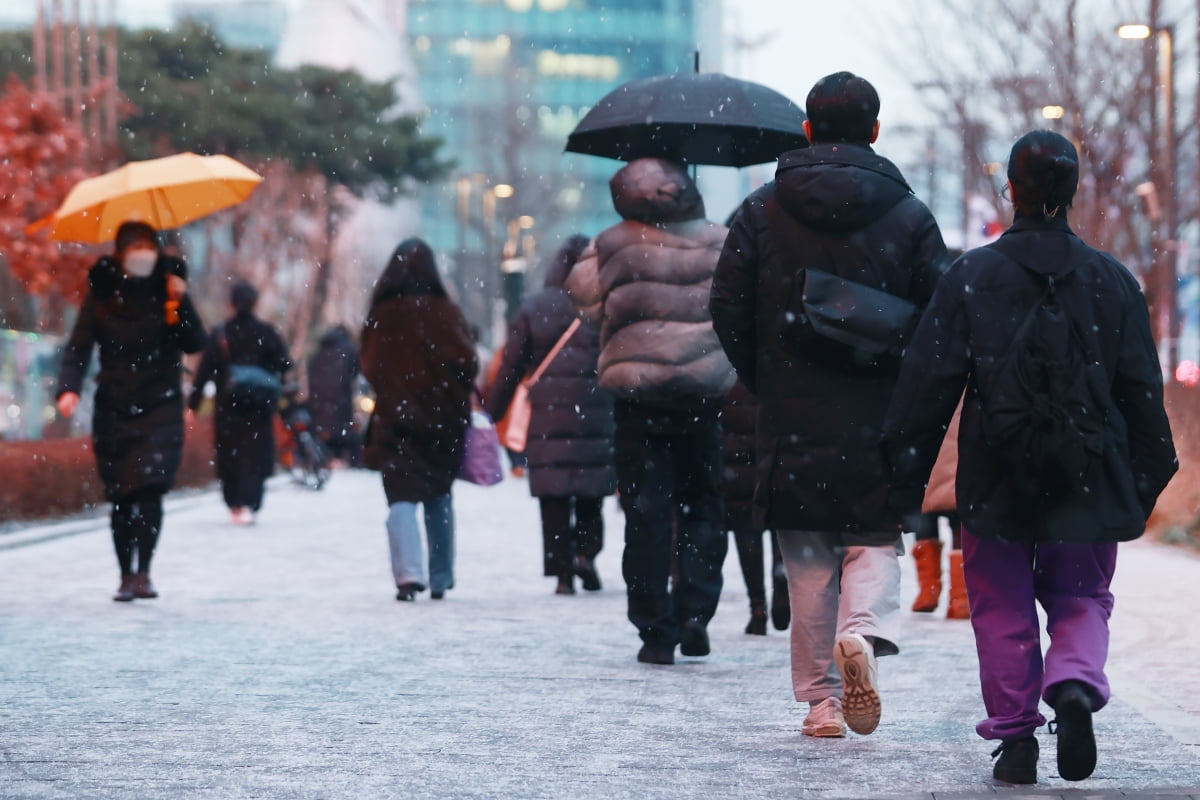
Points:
[503,82]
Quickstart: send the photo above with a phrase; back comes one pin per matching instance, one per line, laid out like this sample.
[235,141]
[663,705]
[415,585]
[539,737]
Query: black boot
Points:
[1073,725]
[758,619]
[566,583]
[781,609]
[1017,762]
[693,639]
[585,568]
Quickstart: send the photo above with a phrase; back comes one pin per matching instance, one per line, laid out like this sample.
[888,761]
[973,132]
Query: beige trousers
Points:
[835,589]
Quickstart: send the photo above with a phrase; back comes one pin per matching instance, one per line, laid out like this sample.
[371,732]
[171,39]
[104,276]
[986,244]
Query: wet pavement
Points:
[277,664]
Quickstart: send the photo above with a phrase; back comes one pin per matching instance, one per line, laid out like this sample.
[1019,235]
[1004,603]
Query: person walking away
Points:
[737,490]
[838,207]
[138,313]
[940,503]
[1055,466]
[332,376]
[641,281]
[244,432]
[570,439]
[418,354]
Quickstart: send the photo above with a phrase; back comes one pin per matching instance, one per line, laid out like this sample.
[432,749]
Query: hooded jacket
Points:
[570,439]
[843,209]
[971,322]
[646,281]
[137,423]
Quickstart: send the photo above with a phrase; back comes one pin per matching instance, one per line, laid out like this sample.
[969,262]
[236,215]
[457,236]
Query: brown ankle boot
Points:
[125,591]
[959,607]
[142,587]
[927,554]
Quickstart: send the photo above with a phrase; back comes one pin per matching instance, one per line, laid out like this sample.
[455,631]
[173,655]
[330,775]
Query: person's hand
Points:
[176,287]
[67,403]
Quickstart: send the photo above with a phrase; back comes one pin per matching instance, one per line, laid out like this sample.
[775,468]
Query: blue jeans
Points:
[404,540]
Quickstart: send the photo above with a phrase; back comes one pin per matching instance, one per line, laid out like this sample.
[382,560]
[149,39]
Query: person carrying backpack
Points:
[1064,447]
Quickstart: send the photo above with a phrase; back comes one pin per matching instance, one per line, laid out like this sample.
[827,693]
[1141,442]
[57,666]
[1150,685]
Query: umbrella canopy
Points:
[162,192]
[692,117]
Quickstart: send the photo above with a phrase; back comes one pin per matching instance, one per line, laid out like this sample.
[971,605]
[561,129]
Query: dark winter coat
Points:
[244,339]
[646,281]
[332,370]
[970,323]
[848,212]
[418,355]
[570,440]
[738,477]
[137,425]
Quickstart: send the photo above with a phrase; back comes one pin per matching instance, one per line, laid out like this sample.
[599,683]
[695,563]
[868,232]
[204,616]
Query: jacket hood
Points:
[838,187]
[655,190]
[1048,247]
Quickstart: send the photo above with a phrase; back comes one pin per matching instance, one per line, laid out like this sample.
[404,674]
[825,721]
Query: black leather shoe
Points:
[1073,725]
[1017,762]
[781,611]
[656,654]
[407,592]
[436,594]
[566,585]
[693,641]
[758,622]
[585,568]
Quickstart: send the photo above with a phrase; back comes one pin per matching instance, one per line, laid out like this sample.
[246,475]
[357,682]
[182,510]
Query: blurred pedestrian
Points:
[737,490]
[518,462]
[244,432]
[332,376]
[940,503]
[837,213]
[570,438]
[642,281]
[1063,450]
[138,312]
[418,354]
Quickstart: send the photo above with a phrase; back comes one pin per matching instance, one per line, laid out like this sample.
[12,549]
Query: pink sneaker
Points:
[825,719]
[855,659]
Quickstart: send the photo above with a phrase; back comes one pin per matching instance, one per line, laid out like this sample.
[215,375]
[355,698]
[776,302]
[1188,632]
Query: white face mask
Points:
[140,263]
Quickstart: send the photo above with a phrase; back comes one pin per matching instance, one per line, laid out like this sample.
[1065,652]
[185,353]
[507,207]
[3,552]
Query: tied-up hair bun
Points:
[1043,169]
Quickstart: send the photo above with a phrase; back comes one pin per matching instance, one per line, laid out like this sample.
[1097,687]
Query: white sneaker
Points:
[242,516]
[855,659]
[825,719]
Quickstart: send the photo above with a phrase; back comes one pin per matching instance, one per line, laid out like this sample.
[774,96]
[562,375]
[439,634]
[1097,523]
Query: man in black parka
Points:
[839,207]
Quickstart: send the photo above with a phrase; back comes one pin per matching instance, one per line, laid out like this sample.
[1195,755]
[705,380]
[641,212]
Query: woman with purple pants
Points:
[1042,329]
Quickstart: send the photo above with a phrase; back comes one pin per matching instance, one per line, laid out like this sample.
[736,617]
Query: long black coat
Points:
[570,441]
[819,425]
[418,355]
[738,477]
[244,438]
[137,425]
[332,370]
[971,322]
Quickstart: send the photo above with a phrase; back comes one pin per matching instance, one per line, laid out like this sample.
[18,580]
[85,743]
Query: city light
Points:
[1134,31]
[503,191]
[1053,112]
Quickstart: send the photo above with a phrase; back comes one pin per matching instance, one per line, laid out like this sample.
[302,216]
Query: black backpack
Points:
[1046,400]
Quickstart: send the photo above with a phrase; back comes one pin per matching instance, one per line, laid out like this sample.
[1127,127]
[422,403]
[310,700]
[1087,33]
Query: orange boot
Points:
[927,553]
[959,607]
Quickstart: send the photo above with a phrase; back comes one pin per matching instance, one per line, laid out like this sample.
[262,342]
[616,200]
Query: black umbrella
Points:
[692,117]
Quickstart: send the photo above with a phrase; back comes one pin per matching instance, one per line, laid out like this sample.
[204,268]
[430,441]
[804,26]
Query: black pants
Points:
[668,467]
[749,543]
[136,522]
[245,458]
[571,526]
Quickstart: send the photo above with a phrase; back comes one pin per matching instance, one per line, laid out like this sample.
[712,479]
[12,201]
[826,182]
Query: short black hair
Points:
[842,107]
[1043,169]
[131,232]
[243,296]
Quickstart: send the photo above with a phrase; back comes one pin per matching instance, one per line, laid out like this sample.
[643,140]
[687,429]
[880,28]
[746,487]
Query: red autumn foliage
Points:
[40,160]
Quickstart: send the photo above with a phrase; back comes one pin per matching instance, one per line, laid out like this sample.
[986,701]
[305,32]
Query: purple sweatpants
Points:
[1070,581]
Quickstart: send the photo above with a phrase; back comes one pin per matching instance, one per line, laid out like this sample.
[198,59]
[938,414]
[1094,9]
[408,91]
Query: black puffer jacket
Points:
[646,281]
[137,425]
[847,211]
[570,440]
[738,466]
[970,323]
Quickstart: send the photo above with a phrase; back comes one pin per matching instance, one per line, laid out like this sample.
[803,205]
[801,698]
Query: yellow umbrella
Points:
[163,192]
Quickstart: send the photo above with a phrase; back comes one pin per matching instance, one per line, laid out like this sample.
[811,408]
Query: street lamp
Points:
[1163,178]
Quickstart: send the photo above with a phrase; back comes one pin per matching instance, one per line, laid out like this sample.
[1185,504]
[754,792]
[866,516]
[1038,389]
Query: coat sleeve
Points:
[1138,394]
[188,334]
[733,297]
[932,258]
[77,352]
[205,373]
[514,364]
[932,378]
[583,286]
[278,356]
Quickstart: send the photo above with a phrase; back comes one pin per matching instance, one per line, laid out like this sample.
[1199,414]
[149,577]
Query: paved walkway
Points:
[277,664]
